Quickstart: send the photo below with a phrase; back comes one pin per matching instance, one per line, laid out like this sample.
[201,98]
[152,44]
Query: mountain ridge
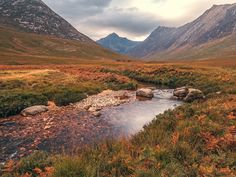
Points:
[35,16]
[217,22]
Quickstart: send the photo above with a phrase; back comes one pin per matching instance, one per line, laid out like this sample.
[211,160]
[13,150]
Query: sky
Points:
[134,19]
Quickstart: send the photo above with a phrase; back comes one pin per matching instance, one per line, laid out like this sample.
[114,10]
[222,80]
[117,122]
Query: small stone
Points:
[47,127]
[97,114]
[94,109]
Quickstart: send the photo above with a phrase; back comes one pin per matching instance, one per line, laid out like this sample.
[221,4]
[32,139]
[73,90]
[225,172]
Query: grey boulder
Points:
[145,92]
[187,94]
[34,110]
[193,94]
[181,92]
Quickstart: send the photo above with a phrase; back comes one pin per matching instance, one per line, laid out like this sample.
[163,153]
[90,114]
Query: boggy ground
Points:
[196,139]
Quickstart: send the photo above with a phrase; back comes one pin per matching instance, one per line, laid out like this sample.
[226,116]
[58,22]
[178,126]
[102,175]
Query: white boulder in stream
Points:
[145,92]
[34,110]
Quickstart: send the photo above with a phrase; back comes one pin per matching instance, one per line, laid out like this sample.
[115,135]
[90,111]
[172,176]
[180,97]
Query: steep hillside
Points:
[223,48]
[216,23]
[28,48]
[117,44]
[35,16]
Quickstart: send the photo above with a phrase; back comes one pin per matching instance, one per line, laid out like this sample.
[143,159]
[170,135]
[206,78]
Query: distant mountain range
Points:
[117,44]
[29,28]
[212,35]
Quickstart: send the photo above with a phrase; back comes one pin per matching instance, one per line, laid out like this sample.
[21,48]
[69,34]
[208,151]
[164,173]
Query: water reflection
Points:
[130,118]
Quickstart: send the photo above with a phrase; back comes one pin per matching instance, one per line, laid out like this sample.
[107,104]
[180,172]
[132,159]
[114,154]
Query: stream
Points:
[67,129]
[131,117]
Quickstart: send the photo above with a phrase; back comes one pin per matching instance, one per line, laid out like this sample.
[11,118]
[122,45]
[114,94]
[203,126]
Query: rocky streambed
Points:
[106,115]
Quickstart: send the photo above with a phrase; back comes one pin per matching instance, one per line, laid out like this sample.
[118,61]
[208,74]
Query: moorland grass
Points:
[191,140]
[23,88]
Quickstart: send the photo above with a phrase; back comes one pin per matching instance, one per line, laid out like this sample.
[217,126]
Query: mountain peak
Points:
[223,5]
[113,35]
[35,16]
[116,43]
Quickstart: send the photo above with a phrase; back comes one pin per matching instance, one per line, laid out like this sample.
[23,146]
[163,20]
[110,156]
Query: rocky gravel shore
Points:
[105,99]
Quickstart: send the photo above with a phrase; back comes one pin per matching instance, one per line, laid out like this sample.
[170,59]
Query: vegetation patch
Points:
[21,88]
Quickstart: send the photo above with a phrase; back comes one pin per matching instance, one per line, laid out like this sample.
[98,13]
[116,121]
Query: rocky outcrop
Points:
[145,92]
[34,110]
[187,94]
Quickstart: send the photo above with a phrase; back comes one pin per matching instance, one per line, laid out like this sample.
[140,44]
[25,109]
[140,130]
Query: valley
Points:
[73,107]
[69,83]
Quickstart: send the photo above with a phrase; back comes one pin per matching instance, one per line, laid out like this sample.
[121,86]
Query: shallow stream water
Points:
[131,117]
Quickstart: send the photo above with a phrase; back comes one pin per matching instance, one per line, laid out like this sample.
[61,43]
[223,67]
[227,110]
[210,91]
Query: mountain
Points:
[17,47]
[214,26]
[117,44]
[35,16]
[31,33]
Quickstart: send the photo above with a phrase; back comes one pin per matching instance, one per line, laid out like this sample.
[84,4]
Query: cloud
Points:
[134,19]
[75,9]
[129,20]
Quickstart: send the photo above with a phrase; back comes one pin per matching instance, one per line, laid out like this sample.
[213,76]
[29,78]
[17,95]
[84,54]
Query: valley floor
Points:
[195,139]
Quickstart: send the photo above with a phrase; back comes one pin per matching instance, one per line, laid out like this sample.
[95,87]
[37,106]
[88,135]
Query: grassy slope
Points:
[26,48]
[192,140]
[222,48]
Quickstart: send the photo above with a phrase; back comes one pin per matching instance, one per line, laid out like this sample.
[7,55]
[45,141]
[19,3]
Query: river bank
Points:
[61,128]
[69,128]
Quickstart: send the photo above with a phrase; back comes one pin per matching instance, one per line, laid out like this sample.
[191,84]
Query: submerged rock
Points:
[174,98]
[145,92]
[34,110]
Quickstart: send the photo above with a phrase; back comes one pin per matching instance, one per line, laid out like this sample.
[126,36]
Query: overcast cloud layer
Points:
[134,19]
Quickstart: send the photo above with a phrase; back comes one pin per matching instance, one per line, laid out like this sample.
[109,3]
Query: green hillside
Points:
[26,48]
